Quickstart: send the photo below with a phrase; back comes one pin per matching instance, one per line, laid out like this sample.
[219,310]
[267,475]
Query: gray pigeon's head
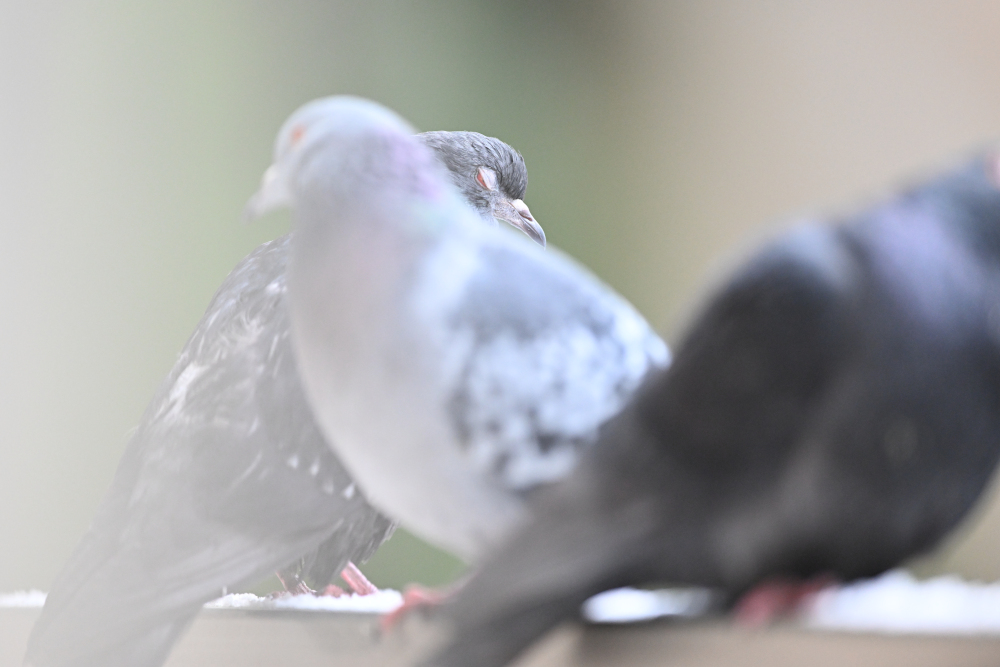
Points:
[490,175]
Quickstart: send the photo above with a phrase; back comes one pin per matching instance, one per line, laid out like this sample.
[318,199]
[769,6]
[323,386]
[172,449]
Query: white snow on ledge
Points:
[893,603]
[383,602]
[22,600]
[897,603]
[628,605]
[379,603]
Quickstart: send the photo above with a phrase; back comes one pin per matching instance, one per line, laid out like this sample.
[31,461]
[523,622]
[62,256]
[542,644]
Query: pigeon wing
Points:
[226,479]
[549,354]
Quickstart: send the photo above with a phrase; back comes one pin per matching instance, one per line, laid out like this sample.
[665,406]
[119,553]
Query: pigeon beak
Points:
[273,194]
[516,214]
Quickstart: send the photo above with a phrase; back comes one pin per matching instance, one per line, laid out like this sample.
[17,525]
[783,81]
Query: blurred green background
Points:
[662,140]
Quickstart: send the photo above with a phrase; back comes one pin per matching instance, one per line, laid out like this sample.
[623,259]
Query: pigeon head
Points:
[490,174]
[340,149]
[344,151]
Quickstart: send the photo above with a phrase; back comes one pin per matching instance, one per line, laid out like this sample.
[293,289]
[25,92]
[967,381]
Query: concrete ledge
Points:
[225,638]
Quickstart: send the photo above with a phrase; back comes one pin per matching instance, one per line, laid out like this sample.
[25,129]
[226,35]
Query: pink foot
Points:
[351,574]
[357,581]
[333,591]
[299,588]
[414,597]
[774,599]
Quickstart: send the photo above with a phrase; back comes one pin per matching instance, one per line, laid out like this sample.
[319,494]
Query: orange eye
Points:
[297,133]
[486,178]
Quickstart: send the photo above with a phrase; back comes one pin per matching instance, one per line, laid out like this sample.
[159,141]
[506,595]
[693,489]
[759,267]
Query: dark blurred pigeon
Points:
[227,476]
[454,367]
[833,411]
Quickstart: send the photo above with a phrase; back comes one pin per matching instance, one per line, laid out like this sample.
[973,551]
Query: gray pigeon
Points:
[227,476]
[453,366]
[833,411]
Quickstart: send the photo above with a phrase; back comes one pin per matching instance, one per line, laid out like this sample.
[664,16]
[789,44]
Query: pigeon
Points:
[455,368]
[228,476]
[832,411]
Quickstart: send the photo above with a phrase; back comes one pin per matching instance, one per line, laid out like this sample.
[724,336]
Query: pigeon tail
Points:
[500,614]
[128,610]
[551,566]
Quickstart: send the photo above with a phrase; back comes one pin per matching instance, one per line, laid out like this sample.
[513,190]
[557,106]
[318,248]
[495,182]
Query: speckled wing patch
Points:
[551,358]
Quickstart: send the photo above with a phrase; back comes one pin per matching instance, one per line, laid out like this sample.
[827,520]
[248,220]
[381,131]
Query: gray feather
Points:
[552,357]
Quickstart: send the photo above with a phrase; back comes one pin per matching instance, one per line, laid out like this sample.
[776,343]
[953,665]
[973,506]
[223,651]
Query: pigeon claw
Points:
[415,598]
[357,580]
[333,591]
[775,599]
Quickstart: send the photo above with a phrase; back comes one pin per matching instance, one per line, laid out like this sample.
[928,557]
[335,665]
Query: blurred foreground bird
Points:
[454,367]
[227,476]
[834,410]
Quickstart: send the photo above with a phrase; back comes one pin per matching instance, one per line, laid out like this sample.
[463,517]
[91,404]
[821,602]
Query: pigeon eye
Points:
[297,133]
[486,178]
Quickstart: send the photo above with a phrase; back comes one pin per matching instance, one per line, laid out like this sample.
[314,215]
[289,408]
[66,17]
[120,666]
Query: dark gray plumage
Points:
[834,409]
[464,152]
[226,479]
[490,175]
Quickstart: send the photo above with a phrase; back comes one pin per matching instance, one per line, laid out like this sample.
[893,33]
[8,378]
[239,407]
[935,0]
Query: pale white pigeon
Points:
[454,367]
